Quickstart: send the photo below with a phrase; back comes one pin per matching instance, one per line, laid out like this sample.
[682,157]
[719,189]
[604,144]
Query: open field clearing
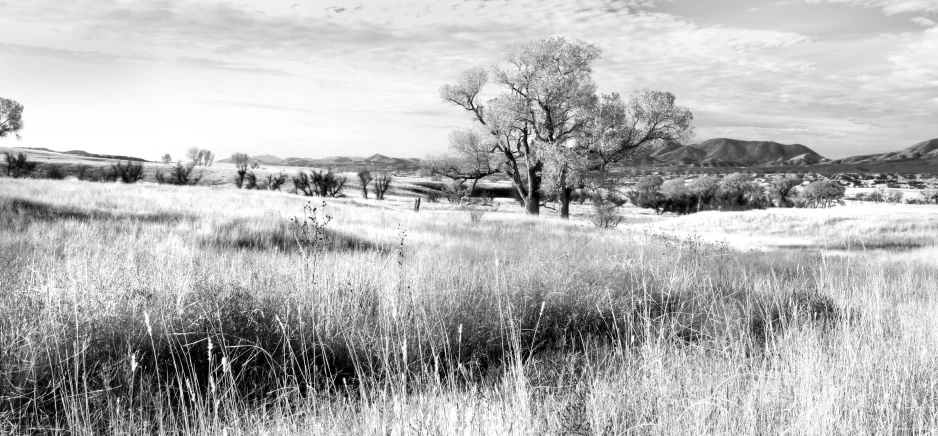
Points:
[190,310]
[856,227]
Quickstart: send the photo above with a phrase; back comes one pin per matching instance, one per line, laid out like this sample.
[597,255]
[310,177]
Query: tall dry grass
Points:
[186,310]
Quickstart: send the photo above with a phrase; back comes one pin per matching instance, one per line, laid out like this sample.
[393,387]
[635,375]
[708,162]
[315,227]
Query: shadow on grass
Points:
[26,211]
[251,234]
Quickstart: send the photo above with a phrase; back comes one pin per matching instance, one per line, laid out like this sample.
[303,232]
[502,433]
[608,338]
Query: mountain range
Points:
[719,153]
[926,150]
[376,160]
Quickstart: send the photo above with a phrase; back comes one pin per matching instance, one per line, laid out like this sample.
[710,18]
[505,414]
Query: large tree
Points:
[549,122]
[547,87]
[11,117]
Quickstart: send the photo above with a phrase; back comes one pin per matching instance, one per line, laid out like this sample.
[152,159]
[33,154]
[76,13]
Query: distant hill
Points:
[94,155]
[261,159]
[267,158]
[925,150]
[373,162]
[725,152]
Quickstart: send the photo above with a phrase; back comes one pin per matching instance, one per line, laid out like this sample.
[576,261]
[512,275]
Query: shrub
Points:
[179,174]
[822,193]
[18,165]
[319,183]
[130,172]
[250,181]
[455,191]
[433,196]
[85,173]
[678,198]
[705,189]
[54,172]
[894,197]
[274,183]
[240,176]
[739,192]
[781,189]
[381,185]
[930,195]
[475,214]
[606,210]
[646,193]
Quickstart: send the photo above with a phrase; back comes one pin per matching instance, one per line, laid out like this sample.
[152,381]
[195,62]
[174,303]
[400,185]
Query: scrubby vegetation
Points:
[150,310]
[732,192]
[18,165]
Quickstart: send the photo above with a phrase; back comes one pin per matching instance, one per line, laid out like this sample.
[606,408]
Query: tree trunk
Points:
[532,204]
[565,195]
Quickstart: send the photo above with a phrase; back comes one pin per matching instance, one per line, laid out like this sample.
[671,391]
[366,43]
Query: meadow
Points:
[130,309]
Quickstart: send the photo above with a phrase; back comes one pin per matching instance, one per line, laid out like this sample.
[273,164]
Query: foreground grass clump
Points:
[129,309]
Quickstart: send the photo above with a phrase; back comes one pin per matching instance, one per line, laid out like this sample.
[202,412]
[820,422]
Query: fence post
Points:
[417,205]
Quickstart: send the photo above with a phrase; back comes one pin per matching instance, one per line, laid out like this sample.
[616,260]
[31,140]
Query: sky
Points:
[298,78]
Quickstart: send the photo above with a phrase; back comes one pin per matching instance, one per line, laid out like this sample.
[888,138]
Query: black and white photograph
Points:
[468,217]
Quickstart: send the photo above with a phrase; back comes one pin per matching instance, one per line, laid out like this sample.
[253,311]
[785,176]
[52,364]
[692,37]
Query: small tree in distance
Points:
[381,185]
[240,161]
[365,177]
[167,159]
[194,154]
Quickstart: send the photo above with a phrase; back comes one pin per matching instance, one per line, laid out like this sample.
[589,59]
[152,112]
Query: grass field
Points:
[129,309]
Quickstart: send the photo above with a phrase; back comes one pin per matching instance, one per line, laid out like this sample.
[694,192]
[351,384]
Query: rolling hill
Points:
[725,152]
[925,150]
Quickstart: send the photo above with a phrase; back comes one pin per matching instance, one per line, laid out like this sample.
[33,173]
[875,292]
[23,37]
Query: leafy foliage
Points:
[11,117]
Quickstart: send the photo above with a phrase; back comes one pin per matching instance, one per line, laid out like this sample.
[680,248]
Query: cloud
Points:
[74,55]
[922,21]
[390,57]
[254,105]
[890,7]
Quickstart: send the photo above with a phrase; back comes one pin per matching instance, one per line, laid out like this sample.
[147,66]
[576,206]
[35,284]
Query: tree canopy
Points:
[11,117]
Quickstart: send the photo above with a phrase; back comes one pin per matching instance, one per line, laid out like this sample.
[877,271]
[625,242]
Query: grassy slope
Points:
[122,303]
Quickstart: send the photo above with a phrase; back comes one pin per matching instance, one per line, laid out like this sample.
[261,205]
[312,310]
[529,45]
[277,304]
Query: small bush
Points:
[319,183]
[85,173]
[179,174]
[18,165]
[930,195]
[250,180]
[606,210]
[130,172]
[54,172]
[822,193]
[455,191]
[274,183]
[475,214]
[797,308]
[434,196]
[894,197]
